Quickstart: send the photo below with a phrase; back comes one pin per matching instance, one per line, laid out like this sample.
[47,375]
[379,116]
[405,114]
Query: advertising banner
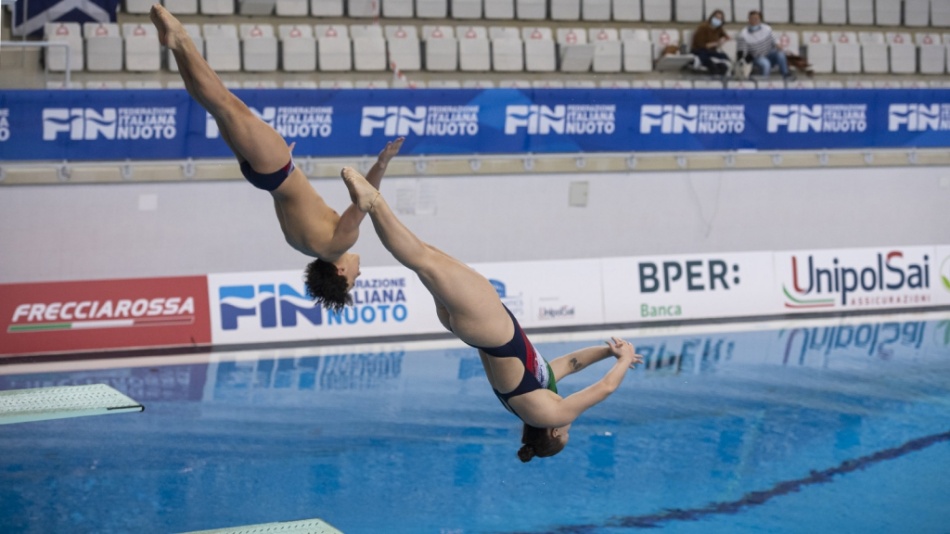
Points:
[548,293]
[682,287]
[274,306]
[168,124]
[103,314]
[857,279]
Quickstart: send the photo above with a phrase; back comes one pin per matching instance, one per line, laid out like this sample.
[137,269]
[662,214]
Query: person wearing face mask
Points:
[709,36]
[757,44]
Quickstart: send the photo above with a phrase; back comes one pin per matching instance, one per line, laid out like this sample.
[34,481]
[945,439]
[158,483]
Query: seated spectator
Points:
[709,36]
[757,44]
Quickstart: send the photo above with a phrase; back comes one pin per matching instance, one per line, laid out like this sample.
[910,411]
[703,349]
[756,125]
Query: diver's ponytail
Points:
[526,453]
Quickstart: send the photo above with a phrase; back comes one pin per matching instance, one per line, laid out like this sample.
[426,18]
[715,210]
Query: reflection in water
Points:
[391,439]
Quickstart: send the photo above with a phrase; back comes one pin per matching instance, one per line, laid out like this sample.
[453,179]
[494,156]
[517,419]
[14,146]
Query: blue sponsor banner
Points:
[168,124]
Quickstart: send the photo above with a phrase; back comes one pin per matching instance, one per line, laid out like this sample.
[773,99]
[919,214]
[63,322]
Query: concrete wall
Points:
[70,232]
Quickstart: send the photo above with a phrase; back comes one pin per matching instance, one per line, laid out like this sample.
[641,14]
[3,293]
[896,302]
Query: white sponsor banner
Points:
[548,293]
[941,275]
[856,279]
[694,286]
[274,306]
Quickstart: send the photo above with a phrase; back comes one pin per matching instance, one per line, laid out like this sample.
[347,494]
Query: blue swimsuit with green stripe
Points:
[537,372]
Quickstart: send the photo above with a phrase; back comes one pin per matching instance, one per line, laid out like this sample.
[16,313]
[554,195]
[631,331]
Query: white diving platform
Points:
[40,404]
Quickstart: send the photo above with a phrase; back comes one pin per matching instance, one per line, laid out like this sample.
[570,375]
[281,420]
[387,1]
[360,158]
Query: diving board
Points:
[40,404]
[304,526]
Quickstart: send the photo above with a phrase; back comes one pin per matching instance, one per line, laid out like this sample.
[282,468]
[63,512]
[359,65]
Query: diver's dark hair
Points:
[538,442]
[327,286]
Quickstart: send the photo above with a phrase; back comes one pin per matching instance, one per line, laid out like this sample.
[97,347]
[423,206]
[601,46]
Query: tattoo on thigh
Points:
[576,365]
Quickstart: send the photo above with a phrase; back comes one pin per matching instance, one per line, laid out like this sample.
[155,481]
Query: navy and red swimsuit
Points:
[537,372]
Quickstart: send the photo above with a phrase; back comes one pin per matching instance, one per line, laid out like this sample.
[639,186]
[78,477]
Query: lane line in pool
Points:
[757,498]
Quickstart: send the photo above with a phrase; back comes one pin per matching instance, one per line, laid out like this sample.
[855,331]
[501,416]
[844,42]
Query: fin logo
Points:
[918,117]
[539,120]
[711,119]
[273,309]
[394,120]
[4,124]
[268,115]
[82,124]
[89,124]
[830,118]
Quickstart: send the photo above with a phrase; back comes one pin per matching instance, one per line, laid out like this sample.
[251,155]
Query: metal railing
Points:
[44,44]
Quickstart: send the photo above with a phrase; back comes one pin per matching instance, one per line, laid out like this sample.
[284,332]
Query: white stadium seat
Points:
[507,49]
[478,84]
[292,8]
[688,10]
[887,13]
[298,48]
[770,83]
[514,84]
[773,11]
[362,9]
[466,9]
[104,84]
[787,41]
[932,53]
[608,50]
[259,84]
[326,8]
[662,38]
[432,9]
[369,47]
[333,48]
[565,9]
[834,12]
[539,49]
[217,7]
[143,84]
[859,84]
[138,7]
[874,57]
[677,84]
[445,84]
[741,84]
[707,84]
[847,51]
[256,7]
[103,46]
[441,48]
[402,44]
[580,84]
[500,9]
[903,52]
[940,14]
[800,84]
[819,50]
[861,12]
[258,47]
[596,10]
[142,50]
[627,11]
[372,84]
[222,47]
[401,9]
[742,8]
[637,50]
[917,12]
[547,83]
[474,49]
[615,84]
[531,9]
[575,54]
[71,34]
[646,84]
[654,10]
[194,31]
[182,7]
[805,12]
[336,84]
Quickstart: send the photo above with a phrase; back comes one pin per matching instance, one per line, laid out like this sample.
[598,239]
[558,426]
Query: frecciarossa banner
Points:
[273,307]
[168,124]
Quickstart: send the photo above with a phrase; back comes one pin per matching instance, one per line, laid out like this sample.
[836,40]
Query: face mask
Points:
[716,22]
[755,28]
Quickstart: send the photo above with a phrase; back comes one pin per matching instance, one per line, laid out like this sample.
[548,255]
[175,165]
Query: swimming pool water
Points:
[834,426]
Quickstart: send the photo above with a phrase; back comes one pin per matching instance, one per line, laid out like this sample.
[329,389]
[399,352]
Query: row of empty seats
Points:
[915,13]
[525,84]
[106,47]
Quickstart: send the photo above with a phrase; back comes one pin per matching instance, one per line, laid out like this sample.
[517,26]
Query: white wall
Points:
[70,232]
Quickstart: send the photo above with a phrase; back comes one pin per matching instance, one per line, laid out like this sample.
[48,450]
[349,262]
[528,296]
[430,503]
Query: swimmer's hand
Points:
[388,153]
[623,350]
